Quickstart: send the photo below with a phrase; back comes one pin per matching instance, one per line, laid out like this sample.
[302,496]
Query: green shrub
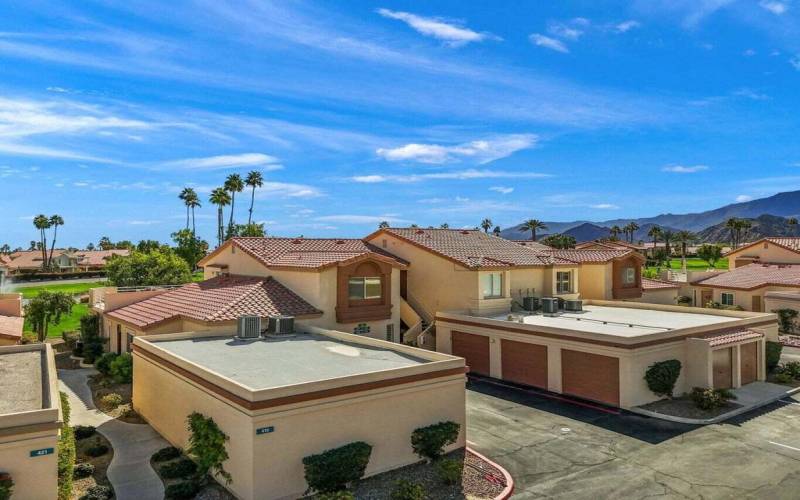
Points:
[168,453]
[182,469]
[710,399]
[336,495]
[449,470]
[207,447]
[786,318]
[82,470]
[97,449]
[182,490]
[111,400]
[783,378]
[334,469]
[408,490]
[103,363]
[90,336]
[792,368]
[662,376]
[429,442]
[84,431]
[98,492]
[66,452]
[70,338]
[773,354]
[6,486]
[122,368]
[683,300]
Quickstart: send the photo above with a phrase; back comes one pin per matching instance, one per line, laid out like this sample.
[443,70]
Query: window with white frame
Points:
[563,281]
[629,276]
[726,298]
[364,288]
[492,285]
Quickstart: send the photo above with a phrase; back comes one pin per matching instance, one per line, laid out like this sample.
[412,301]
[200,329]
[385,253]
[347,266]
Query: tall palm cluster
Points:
[222,197]
[739,229]
[43,223]
[628,230]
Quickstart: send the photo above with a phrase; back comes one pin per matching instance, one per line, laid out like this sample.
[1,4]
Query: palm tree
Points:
[42,222]
[532,225]
[496,230]
[654,232]
[444,225]
[55,221]
[90,246]
[614,231]
[220,198]
[745,225]
[233,184]
[383,225]
[792,223]
[254,179]
[486,224]
[183,196]
[668,237]
[5,249]
[632,228]
[684,238]
[733,226]
[192,202]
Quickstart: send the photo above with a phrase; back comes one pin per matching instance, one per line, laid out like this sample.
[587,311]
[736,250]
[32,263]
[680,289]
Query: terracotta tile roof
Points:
[533,244]
[654,284]
[223,298]
[312,253]
[5,260]
[609,245]
[11,327]
[98,257]
[790,243]
[755,276]
[475,249]
[731,337]
[31,259]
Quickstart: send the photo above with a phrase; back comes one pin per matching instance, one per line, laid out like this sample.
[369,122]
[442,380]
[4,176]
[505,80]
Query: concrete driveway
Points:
[555,449]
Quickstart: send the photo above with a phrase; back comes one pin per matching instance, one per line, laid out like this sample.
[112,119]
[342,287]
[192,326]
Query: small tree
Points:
[90,336]
[710,253]
[46,309]
[786,319]
[662,376]
[189,247]
[207,447]
[157,267]
[429,442]
[773,354]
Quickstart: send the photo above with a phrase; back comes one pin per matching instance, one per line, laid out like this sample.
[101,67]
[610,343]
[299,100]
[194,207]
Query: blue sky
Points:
[411,112]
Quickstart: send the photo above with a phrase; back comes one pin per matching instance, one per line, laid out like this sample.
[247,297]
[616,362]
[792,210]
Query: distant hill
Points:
[764,225]
[587,232]
[781,205]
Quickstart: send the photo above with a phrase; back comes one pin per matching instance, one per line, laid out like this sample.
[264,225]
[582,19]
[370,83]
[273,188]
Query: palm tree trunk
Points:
[187,216]
[233,202]
[193,226]
[252,201]
[219,225]
[533,235]
[52,245]
[44,249]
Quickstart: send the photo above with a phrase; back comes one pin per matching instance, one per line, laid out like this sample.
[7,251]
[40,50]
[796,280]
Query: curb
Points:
[718,418]
[509,489]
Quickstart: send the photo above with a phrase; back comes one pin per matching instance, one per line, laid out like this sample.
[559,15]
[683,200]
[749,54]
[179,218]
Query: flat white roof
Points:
[21,379]
[270,363]
[621,321]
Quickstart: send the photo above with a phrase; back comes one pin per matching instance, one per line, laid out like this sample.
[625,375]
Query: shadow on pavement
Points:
[649,430]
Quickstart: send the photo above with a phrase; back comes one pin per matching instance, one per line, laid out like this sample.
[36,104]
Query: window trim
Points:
[491,276]
[363,280]
[559,289]
[629,271]
[722,298]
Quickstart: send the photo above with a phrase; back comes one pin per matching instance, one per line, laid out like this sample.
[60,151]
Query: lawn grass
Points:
[69,323]
[71,288]
[693,264]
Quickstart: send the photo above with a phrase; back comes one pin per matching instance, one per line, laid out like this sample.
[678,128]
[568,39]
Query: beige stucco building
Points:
[11,318]
[282,399]
[30,420]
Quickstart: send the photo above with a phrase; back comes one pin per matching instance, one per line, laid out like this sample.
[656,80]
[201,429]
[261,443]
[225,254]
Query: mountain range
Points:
[769,216]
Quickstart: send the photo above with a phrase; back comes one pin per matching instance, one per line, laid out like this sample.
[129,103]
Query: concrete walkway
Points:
[129,472]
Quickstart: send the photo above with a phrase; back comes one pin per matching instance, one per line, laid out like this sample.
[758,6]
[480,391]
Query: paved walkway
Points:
[130,472]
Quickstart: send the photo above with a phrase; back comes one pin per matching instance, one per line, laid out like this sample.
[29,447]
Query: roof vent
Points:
[248,327]
[419,231]
[296,241]
[340,242]
[464,231]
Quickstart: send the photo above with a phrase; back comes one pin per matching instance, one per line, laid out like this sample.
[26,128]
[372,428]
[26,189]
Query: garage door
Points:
[590,376]
[473,348]
[723,368]
[524,363]
[749,356]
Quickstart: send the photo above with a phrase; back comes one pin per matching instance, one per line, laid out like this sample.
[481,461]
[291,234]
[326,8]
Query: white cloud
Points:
[221,162]
[287,190]
[502,189]
[360,219]
[18,149]
[626,26]
[568,31]
[750,94]
[438,28]
[749,53]
[604,206]
[743,197]
[682,169]
[775,7]
[143,222]
[795,62]
[460,175]
[548,43]
[482,151]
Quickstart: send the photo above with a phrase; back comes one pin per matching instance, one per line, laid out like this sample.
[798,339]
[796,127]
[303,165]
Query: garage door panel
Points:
[590,376]
[524,363]
[749,359]
[723,368]
[473,348]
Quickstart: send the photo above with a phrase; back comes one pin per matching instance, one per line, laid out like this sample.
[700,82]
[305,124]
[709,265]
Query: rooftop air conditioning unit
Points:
[248,327]
[279,326]
[530,303]
[573,305]
[550,305]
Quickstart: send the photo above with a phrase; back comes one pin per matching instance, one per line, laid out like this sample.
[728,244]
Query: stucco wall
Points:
[35,478]
[744,298]
[596,281]
[666,296]
[765,252]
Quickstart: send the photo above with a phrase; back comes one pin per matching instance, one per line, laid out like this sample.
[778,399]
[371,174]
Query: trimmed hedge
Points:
[662,376]
[66,452]
[449,470]
[773,355]
[98,449]
[103,363]
[98,492]
[182,490]
[408,490]
[84,431]
[182,469]
[168,453]
[82,470]
[710,399]
[429,442]
[334,469]
[122,368]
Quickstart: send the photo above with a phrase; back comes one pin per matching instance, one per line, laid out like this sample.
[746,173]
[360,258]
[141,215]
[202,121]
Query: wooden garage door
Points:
[473,348]
[723,368]
[524,363]
[749,357]
[590,376]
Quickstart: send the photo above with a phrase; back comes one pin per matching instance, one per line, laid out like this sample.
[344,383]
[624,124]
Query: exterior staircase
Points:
[422,330]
